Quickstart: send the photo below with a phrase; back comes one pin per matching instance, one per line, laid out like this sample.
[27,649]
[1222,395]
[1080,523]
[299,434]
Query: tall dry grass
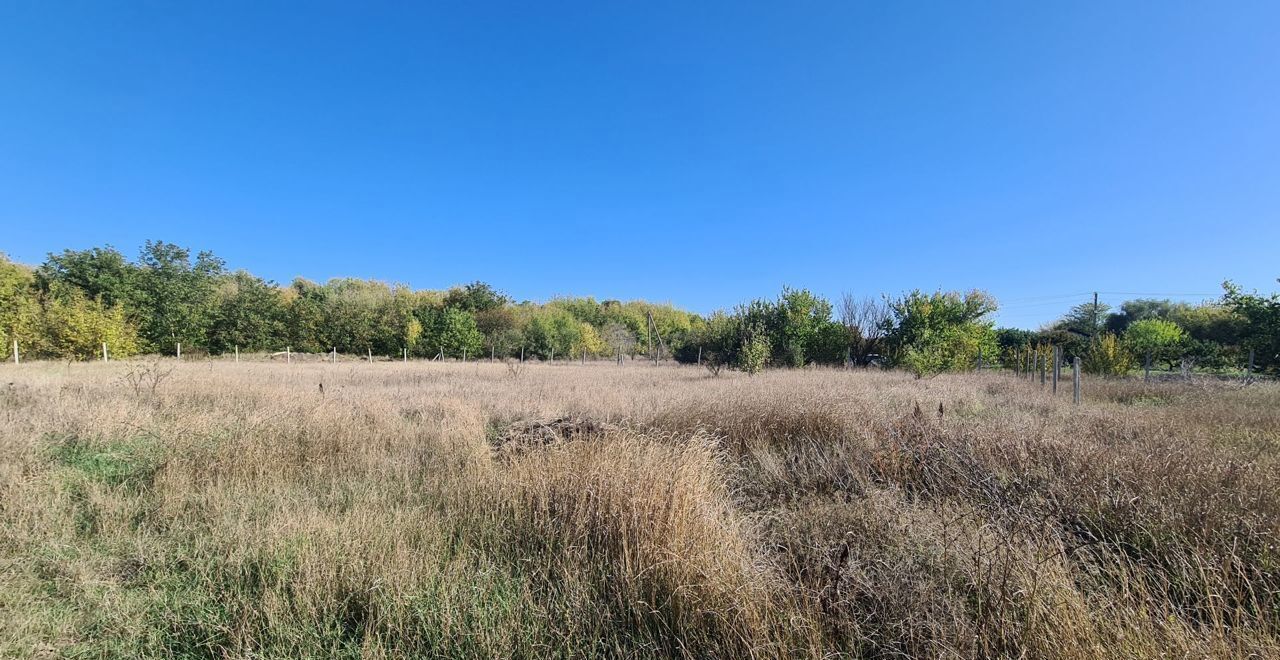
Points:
[450,510]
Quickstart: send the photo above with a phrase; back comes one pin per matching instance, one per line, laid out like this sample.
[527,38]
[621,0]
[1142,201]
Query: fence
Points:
[1045,363]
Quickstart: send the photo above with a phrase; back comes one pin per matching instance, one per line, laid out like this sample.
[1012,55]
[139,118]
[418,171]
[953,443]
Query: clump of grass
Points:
[129,462]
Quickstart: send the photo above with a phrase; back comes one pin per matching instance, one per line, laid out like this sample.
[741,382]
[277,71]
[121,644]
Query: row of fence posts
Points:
[404,354]
[1031,362]
[1034,364]
[333,354]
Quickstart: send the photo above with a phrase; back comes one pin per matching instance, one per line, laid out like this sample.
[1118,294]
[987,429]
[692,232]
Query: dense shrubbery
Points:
[77,300]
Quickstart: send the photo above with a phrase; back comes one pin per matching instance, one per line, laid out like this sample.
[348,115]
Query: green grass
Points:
[129,463]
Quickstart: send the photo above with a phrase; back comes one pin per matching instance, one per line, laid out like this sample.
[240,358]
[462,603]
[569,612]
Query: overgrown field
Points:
[472,510]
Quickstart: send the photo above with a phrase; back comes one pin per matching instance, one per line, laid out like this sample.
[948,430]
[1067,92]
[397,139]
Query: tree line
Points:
[77,300]
[929,333]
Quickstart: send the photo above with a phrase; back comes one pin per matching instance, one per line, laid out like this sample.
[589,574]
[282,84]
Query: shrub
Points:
[1107,356]
[754,354]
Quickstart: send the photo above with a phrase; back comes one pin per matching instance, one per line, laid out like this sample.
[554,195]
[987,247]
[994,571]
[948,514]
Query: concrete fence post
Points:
[1075,380]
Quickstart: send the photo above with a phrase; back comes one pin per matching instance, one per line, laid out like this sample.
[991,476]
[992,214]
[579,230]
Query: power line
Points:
[1170,295]
[1038,304]
[1048,297]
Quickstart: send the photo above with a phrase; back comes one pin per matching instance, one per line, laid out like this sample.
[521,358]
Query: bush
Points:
[1107,356]
[754,354]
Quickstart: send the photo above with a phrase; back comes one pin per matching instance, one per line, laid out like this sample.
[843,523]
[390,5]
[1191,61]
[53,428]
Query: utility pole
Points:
[1094,331]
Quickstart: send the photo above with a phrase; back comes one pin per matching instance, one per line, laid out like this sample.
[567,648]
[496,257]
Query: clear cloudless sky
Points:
[702,153]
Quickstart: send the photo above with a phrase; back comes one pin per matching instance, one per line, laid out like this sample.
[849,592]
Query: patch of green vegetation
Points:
[167,611]
[129,463]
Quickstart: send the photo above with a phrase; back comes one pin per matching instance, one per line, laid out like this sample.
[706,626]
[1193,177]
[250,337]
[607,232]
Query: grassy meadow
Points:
[266,510]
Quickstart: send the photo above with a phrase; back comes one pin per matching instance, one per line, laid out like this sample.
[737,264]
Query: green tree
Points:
[551,331]
[949,348]
[396,325]
[249,313]
[719,340]
[1261,327]
[1140,309]
[351,313]
[801,318]
[501,330]
[830,344]
[304,303]
[1161,339]
[942,331]
[583,309]
[452,330]
[176,295]
[100,273]
[475,297]
[754,354]
[1085,319]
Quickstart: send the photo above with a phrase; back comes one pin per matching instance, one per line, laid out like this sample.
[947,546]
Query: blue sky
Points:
[697,153]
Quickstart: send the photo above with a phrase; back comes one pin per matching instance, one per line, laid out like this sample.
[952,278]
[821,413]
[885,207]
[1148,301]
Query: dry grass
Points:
[435,510]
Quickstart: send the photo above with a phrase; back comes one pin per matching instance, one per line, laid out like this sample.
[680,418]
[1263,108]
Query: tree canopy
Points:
[76,300]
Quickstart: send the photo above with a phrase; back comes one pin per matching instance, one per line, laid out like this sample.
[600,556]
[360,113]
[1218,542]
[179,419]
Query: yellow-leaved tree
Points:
[75,327]
[589,339]
[19,309]
[1108,356]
